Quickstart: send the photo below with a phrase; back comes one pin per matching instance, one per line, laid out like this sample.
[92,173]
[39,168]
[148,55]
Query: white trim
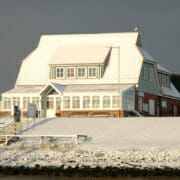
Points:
[72,77]
[88,72]
[63,73]
[81,72]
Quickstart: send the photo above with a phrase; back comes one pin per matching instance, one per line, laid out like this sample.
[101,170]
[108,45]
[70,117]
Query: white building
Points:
[81,74]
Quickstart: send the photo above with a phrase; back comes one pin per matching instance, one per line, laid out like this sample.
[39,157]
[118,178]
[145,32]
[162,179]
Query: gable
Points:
[148,79]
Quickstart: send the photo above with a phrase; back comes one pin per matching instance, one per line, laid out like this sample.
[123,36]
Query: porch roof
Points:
[24,90]
[57,87]
[95,88]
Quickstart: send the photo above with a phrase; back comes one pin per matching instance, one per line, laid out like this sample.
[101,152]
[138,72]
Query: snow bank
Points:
[113,142]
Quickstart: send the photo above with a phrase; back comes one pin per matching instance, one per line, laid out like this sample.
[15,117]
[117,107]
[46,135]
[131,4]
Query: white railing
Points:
[42,137]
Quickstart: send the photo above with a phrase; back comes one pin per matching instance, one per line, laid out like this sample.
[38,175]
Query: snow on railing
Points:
[42,137]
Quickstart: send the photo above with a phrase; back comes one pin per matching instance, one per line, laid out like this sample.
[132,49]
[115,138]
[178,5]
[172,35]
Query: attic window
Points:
[70,72]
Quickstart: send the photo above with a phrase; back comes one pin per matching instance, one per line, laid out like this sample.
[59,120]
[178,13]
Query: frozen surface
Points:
[115,132]
[124,142]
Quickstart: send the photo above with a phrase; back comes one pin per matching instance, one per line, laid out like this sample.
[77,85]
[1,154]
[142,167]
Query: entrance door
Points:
[50,107]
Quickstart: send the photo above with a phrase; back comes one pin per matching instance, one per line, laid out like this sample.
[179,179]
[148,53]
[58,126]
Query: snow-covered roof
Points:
[163,69]
[146,55]
[172,91]
[124,63]
[80,55]
[24,90]
[57,87]
[95,88]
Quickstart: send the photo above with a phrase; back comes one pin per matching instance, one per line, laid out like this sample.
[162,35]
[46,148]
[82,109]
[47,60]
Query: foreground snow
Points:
[126,142]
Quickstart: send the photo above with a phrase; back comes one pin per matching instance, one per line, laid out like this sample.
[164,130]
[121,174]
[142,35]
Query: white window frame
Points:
[58,77]
[71,77]
[86,102]
[81,72]
[116,101]
[106,102]
[76,102]
[66,102]
[164,104]
[92,67]
[16,101]
[35,100]
[96,102]
[7,103]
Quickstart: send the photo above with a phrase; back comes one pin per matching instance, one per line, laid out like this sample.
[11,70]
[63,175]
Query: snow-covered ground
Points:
[4,121]
[117,142]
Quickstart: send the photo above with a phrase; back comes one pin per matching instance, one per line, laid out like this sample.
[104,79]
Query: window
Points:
[7,103]
[145,73]
[96,101]
[75,102]
[71,72]
[151,75]
[116,101]
[66,102]
[50,103]
[59,72]
[106,102]
[26,101]
[86,102]
[151,107]
[58,102]
[164,104]
[164,80]
[92,71]
[35,100]
[16,101]
[82,72]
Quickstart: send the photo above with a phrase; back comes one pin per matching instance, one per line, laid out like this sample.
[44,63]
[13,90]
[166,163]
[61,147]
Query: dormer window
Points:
[164,80]
[81,72]
[60,72]
[92,72]
[70,72]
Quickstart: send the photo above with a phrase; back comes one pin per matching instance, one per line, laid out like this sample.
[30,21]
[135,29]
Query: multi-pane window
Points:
[96,102]
[58,102]
[70,72]
[66,102]
[116,101]
[86,102]
[16,101]
[50,103]
[60,72]
[145,73]
[81,72]
[7,103]
[26,101]
[151,75]
[35,100]
[106,102]
[164,80]
[76,102]
[92,71]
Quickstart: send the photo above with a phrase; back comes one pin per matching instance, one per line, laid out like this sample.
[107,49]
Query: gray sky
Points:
[23,21]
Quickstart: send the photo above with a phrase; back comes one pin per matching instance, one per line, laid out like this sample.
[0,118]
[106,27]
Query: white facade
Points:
[117,53]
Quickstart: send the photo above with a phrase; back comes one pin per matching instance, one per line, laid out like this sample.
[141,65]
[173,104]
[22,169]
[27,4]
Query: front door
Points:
[50,107]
